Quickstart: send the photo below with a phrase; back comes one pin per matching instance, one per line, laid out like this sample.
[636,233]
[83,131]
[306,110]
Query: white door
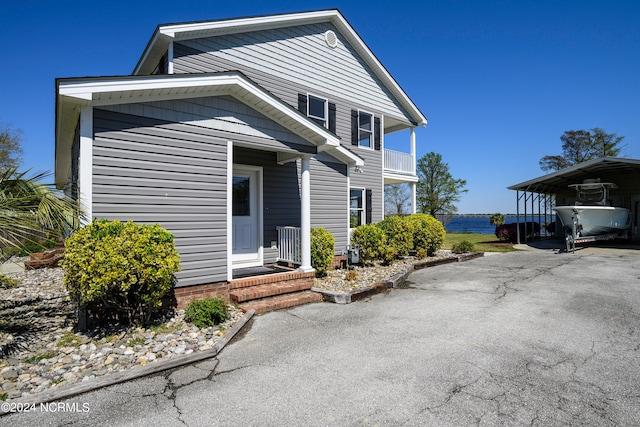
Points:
[247,218]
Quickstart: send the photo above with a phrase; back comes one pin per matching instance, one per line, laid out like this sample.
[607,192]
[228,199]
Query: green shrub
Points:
[388,255]
[463,246]
[372,240]
[206,312]
[428,234]
[322,250]
[7,282]
[399,234]
[122,268]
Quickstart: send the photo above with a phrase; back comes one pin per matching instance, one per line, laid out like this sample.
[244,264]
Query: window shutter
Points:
[369,203]
[302,103]
[354,127]
[376,133]
[332,117]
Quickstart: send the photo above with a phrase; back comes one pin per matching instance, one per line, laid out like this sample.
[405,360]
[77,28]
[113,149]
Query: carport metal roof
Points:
[598,168]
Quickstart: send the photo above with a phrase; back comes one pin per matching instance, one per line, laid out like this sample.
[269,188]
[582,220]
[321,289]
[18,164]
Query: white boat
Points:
[592,212]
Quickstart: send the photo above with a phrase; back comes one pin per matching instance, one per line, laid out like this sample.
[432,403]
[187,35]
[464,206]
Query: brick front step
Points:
[279,302]
[270,278]
[264,291]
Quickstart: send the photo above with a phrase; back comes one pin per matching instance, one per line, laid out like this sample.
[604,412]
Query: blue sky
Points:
[499,81]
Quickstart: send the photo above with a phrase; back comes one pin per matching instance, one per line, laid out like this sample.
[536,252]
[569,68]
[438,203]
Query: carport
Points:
[536,198]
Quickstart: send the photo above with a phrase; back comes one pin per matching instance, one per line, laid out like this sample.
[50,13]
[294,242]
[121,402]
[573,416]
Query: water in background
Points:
[480,224]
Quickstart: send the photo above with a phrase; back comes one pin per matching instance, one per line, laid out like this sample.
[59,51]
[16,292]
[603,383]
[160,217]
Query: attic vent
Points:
[331,39]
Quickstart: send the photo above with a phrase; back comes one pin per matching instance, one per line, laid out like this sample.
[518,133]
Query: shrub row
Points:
[395,236]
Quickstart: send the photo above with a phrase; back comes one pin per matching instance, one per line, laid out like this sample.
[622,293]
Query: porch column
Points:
[85,174]
[413,148]
[305,220]
[414,203]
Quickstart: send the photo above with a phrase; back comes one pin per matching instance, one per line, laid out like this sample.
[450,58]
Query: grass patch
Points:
[136,341]
[69,339]
[481,242]
[38,358]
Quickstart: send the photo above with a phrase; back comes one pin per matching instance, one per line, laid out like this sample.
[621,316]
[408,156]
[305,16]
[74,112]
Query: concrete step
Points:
[268,290]
[279,302]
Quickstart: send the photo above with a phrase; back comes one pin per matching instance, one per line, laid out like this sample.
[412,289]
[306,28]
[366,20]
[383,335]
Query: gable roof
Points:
[73,94]
[164,35]
[556,182]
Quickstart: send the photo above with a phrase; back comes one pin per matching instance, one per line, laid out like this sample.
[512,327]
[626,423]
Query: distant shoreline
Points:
[488,215]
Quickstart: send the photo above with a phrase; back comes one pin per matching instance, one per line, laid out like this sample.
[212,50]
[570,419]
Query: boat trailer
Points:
[573,237]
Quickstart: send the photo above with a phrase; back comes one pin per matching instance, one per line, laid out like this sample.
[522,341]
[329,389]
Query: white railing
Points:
[396,161]
[289,244]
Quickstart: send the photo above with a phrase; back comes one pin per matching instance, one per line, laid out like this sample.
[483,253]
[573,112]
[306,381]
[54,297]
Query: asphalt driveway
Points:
[523,338]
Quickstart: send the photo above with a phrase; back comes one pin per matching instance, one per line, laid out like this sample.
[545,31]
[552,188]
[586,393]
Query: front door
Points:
[247,218]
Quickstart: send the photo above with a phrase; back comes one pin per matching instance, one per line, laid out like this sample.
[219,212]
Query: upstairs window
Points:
[318,110]
[365,129]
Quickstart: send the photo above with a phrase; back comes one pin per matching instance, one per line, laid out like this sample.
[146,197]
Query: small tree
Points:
[496,219]
[437,190]
[10,147]
[396,198]
[580,145]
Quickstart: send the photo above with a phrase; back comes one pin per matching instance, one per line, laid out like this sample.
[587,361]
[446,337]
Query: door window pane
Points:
[241,197]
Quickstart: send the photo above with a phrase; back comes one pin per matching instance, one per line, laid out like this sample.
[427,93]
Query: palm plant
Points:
[28,208]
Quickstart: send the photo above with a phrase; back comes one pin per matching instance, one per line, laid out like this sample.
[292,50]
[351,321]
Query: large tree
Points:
[437,190]
[396,198]
[10,146]
[580,145]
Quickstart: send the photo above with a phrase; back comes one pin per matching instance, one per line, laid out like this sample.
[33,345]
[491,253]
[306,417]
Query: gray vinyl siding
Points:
[297,55]
[151,171]
[231,118]
[281,194]
[329,200]
[288,91]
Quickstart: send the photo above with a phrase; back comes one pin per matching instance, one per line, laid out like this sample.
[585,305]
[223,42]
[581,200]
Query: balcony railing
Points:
[398,162]
[289,247]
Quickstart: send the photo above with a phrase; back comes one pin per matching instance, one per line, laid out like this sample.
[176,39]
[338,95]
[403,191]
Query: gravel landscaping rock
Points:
[39,349]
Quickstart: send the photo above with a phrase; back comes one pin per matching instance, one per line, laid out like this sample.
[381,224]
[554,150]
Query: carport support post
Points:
[518,216]
[305,220]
